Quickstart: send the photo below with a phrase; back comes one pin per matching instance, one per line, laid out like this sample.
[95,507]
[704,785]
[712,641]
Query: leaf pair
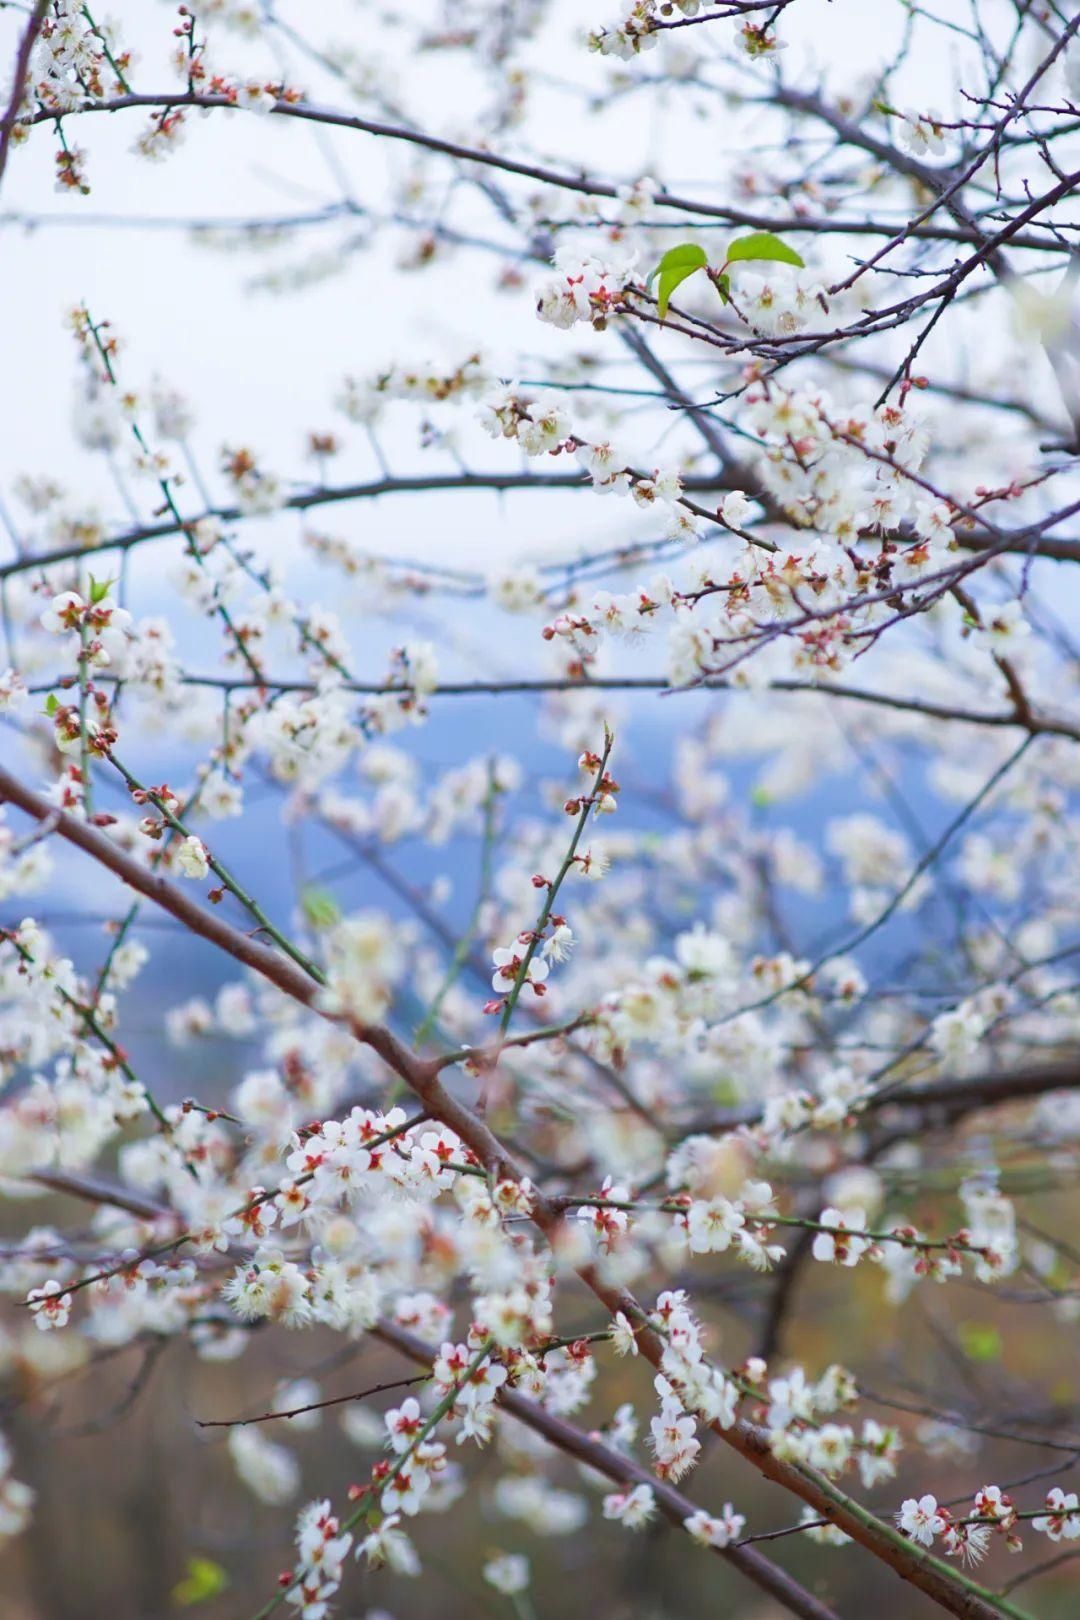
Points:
[680,262]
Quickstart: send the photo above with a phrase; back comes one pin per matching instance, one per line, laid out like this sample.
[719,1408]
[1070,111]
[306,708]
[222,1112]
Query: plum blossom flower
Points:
[405,1492]
[921,133]
[735,508]
[269,1470]
[712,1225]
[388,1545]
[673,1441]
[192,858]
[840,1244]
[49,1306]
[633,1508]
[13,693]
[559,944]
[623,1336]
[255,97]
[718,1531]
[1061,1521]
[508,966]
[508,1573]
[920,1519]
[403,1425]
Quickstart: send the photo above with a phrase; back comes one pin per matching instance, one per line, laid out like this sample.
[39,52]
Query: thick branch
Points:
[1022,543]
[581,183]
[18,82]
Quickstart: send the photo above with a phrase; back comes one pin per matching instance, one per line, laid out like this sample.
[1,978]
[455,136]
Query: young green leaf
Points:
[52,703]
[677,263]
[763,245]
[320,908]
[204,1579]
[99,589]
[980,1341]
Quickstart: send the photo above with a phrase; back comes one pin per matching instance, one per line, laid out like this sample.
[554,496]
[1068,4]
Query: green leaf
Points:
[320,908]
[722,284]
[981,1341]
[99,589]
[204,1579]
[677,263]
[763,245]
[52,703]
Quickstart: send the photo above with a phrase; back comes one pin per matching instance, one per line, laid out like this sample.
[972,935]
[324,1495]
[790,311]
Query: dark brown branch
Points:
[314,1406]
[1037,723]
[1022,543]
[580,183]
[18,83]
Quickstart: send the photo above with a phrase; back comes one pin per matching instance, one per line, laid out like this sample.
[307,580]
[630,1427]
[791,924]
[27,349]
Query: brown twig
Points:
[18,82]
